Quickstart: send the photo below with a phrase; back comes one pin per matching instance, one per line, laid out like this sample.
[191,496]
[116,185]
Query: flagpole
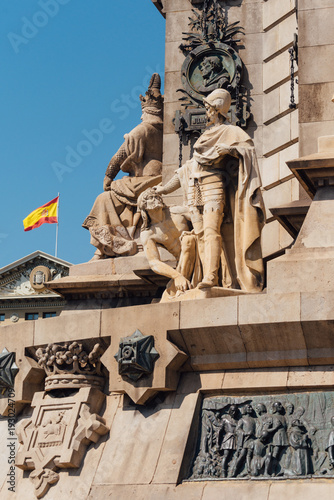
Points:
[56,249]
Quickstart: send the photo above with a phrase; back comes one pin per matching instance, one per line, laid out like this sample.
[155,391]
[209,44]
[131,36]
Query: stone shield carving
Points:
[57,435]
[65,416]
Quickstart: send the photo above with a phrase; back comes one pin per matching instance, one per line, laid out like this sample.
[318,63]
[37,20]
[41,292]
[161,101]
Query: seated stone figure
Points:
[113,219]
[224,199]
[168,227]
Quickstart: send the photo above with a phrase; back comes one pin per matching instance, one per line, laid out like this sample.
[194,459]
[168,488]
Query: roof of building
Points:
[31,256]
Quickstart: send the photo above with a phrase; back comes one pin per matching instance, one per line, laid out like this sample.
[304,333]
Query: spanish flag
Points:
[47,213]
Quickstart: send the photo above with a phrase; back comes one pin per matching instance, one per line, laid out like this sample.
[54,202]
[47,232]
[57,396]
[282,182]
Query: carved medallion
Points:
[209,67]
[14,318]
[212,62]
[38,276]
[136,356]
[8,370]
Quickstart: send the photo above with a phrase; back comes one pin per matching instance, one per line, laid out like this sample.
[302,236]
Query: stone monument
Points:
[221,385]
[112,221]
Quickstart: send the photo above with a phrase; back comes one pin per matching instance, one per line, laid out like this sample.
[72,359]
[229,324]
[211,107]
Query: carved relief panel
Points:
[265,436]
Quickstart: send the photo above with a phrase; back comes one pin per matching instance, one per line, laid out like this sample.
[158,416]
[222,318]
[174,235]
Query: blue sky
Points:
[69,68]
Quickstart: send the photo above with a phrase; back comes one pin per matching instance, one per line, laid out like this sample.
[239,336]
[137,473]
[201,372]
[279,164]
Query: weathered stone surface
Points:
[134,445]
[320,71]
[319,94]
[255,379]
[280,37]
[270,237]
[65,328]
[276,71]
[177,436]
[315,376]
[119,323]
[279,133]
[142,492]
[275,10]
[225,491]
[316,27]
[311,5]
[309,133]
[75,484]
[306,490]
[211,315]
[277,196]
[30,376]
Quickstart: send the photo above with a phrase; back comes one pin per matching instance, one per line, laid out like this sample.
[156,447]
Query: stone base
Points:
[202,293]
[309,265]
[113,278]
[307,271]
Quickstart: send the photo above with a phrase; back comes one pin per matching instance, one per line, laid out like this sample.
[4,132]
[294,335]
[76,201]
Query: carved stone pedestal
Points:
[115,282]
[309,264]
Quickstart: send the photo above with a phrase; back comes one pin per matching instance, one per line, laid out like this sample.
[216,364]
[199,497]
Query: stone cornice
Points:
[159,6]
[32,304]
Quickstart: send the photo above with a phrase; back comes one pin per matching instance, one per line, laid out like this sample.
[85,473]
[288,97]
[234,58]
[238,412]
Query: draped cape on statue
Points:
[241,261]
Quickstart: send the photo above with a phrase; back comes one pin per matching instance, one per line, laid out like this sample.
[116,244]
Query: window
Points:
[2,317]
[49,314]
[31,316]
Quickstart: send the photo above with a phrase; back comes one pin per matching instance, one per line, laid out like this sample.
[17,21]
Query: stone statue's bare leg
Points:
[188,255]
[212,220]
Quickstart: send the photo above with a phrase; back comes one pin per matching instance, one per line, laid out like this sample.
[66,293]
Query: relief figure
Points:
[245,440]
[291,441]
[214,74]
[228,442]
[298,439]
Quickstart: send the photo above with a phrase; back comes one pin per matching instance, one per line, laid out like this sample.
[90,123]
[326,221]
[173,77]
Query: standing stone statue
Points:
[225,203]
[113,219]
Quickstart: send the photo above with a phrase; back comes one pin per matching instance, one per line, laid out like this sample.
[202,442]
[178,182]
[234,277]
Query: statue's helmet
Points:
[153,101]
[220,99]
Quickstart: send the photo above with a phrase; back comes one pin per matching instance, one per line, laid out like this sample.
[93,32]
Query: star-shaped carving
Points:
[136,355]
[8,370]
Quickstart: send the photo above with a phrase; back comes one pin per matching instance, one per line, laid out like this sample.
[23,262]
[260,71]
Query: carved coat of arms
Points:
[60,428]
